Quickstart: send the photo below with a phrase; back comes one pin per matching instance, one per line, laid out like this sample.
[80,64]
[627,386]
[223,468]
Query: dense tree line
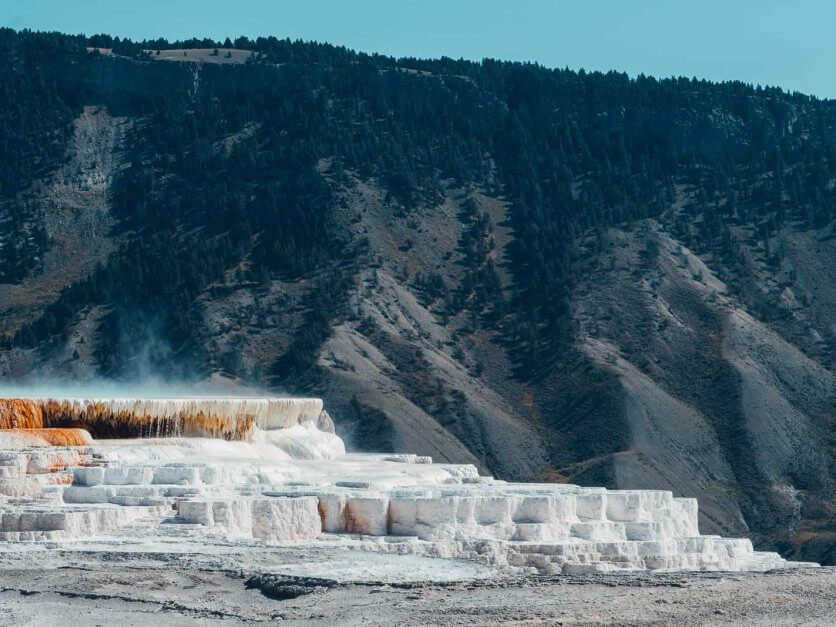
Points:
[573,152]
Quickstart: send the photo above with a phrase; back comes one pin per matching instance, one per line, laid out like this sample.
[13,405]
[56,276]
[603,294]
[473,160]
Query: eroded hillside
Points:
[554,276]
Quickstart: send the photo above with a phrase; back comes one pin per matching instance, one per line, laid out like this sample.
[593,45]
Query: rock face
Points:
[291,482]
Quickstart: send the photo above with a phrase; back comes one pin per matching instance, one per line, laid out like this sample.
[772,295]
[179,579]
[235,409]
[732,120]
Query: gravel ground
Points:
[81,588]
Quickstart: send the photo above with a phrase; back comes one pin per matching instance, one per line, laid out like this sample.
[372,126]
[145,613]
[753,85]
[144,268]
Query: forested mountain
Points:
[552,274]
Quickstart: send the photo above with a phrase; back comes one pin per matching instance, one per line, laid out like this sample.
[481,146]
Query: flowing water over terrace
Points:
[224,418]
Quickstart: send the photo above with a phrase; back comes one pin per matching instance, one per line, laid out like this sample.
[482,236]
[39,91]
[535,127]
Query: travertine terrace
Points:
[226,418]
[259,471]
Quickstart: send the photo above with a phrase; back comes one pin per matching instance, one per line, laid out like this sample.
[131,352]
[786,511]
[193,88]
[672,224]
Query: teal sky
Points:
[767,42]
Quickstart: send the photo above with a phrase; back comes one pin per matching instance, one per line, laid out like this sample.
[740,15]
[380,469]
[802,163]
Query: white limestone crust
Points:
[294,483]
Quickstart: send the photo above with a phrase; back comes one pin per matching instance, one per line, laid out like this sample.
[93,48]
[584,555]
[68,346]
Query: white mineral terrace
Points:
[287,479]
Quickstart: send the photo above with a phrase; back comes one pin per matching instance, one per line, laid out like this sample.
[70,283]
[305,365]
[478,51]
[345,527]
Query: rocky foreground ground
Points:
[103,588]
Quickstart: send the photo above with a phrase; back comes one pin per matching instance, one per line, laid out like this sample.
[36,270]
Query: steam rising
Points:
[146,387]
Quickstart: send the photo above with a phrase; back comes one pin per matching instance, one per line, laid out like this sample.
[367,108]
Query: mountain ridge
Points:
[577,277]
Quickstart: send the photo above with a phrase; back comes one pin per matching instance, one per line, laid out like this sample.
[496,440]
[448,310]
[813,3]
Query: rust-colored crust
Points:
[17,413]
[103,421]
[58,437]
